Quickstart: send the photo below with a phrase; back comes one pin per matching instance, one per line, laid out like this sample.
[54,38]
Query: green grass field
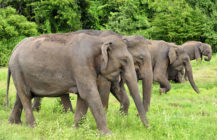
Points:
[179,114]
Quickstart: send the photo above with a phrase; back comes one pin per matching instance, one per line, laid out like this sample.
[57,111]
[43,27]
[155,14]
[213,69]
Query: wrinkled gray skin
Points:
[195,50]
[168,55]
[137,46]
[67,63]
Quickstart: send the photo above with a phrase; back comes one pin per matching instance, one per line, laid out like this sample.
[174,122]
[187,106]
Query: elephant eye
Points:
[140,59]
[124,60]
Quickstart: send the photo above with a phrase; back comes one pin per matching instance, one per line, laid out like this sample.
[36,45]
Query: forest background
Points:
[170,20]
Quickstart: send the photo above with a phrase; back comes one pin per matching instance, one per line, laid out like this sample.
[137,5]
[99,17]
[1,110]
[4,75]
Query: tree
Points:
[176,21]
[130,18]
[13,28]
[57,16]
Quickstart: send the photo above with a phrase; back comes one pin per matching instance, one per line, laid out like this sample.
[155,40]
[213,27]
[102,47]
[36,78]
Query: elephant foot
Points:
[179,80]
[123,111]
[106,132]
[36,108]
[31,124]
[162,90]
[15,121]
[146,123]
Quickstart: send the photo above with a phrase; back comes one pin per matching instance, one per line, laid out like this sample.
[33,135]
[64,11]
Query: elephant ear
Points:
[200,46]
[105,55]
[124,38]
[172,55]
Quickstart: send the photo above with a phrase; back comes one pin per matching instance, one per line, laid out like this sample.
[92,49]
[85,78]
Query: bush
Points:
[57,16]
[130,18]
[13,28]
[6,48]
[177,22]
[14,25]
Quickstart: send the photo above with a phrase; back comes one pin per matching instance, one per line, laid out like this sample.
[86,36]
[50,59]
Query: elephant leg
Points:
[36,103]
[104,90]
[24,94]
[81,110]
[26,102]
[88,92]
[163,81]
[16,112]
[164,85]
[122,97]
[65,100]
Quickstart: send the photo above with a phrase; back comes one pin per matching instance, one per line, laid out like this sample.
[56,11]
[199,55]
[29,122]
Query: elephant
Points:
[137,46]
[59,64]
[195,50]
[165,56]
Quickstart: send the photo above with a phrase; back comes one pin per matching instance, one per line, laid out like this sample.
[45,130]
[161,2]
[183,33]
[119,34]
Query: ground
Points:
[179,114]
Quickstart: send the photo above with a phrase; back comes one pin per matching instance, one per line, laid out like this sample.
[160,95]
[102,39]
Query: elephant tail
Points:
[8,85]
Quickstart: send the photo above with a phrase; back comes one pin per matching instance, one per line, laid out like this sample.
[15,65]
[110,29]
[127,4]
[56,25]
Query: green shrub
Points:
[56,16]
[6,47]
[176,21]
[13,28]
[130,18]
[14,25]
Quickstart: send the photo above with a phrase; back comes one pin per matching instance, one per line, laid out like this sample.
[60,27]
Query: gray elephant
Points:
[195,50]
[56,64]
[137,46]
[168,55]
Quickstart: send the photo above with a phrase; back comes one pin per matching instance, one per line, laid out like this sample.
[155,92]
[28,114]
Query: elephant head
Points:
[206,50]
[116,60]
[137,46]
[178,57]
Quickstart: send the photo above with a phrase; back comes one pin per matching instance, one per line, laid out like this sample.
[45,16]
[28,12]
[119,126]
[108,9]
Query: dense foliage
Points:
[170,20]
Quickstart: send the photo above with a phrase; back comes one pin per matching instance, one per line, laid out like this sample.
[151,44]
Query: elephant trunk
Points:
[188,70]
[209,57]
[131,80]
[147,80]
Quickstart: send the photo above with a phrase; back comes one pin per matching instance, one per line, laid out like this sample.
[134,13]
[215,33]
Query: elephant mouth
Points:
[207,58]
[112,76]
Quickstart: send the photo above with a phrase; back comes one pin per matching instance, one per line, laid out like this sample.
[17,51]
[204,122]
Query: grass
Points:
[181,114]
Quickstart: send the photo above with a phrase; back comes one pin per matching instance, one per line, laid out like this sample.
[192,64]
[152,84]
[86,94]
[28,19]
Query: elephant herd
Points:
[93,64]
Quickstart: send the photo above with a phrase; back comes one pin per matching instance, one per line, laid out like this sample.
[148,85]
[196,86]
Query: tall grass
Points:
[179,114]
